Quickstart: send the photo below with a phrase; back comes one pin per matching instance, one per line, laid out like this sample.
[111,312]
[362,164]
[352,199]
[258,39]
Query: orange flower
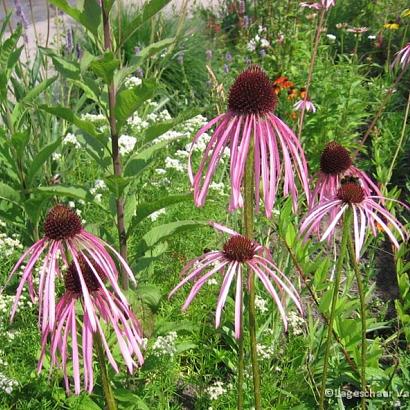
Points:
[292,93]
[303,93]
[283,82]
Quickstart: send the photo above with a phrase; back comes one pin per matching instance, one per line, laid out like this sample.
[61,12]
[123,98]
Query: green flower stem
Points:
[105,380]
[363,320]
[248,222]
[336,283]
[240,368]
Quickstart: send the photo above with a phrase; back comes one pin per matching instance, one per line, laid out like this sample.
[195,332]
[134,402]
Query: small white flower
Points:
[126,144]
[155,215]
[165,345]
[71,139]
[265,43]
[56,156]
[261,304]
[331,37]
[132,82]
[251,45]
[71,204]
[175,164]
[371,37]
[98,198]
[161,171]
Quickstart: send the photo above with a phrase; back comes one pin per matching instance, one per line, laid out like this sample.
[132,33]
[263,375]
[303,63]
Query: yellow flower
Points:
[406,13]
[392,26]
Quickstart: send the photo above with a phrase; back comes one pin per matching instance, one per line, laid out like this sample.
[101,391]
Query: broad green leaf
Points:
[162,232]
[38,89]
[141,160]
[20,141]
[89,16]
[117,184]
[68,191]
[153,49]
[40,159]
[68,115]
[147,208]
[149,10]
[9,194]
[86,60]
[105,66]
[8,48]
[34,207]
[129,100]
[150,295]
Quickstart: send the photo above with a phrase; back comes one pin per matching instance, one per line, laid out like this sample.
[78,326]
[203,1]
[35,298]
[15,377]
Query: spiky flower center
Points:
[252,93]
[351,193]
[72,281]
[239,248]
[62,223]
[335,159]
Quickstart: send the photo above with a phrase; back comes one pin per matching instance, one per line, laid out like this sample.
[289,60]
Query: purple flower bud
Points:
[78,51]
[246,21]
[262,53]
[226,68]
[69,40]
[208,54]
[137,50]
[242,7]
[139,72]
[228,57]
[248,61]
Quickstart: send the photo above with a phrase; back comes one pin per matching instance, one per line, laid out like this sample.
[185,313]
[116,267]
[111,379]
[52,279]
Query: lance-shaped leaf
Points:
[105,66]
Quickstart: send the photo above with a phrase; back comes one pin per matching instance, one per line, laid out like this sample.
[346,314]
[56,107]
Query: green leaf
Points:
[40,159]
[129,399]
[8,48]
[38,89]
[162,232]
[68,191]
[9,194]
[129,100]
[117,184]
[19,141]
[153,49]
[105,66]
[68,115]
[151,295]
[149,10]
[147,208]
[89,16]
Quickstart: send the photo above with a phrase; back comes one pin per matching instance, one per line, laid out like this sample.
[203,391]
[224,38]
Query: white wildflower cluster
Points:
[9,245]
[173,163]
[71,139]
[219,187]
[6,302]
[7,385]
[296,323]
[56,156]
[266,352]
[261,304]
[132,82]
[212,282]
[259,41]
[96,191]
[95,118]
[217,390]
[331,37]
[155,215]
[126,144]
[137,124]
[165,345]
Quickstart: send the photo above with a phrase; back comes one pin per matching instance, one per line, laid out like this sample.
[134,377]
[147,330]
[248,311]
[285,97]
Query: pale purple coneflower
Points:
[250,119]
[323,4]
[357,30]
[239,253]
[402,57]
[64,240]
[108,310]
[368,214]
[304,105]
[335,166]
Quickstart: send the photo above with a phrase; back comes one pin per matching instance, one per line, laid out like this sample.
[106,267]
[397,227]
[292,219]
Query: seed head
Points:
[62,223]
[351,193]
[72,280]
[239,248]
[335,159]
[252,93]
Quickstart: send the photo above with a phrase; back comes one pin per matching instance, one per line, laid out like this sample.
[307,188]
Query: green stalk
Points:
[248,223]
[105,380]
[240,367]
[343,248]
[363,320]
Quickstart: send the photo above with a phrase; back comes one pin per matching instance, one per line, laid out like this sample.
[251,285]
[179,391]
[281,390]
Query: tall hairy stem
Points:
[363,320]
[115,153]
[105,380]
[241,366]
[248,224]
[311,66]
[336,284]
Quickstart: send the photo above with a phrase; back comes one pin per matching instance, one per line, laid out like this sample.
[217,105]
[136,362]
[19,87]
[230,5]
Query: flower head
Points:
[357,30]
[403,57]
[304,105]
[335,166]
[64,240]
[250,120]
[107,309]
[237,254]
[367,214]
[322,4]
